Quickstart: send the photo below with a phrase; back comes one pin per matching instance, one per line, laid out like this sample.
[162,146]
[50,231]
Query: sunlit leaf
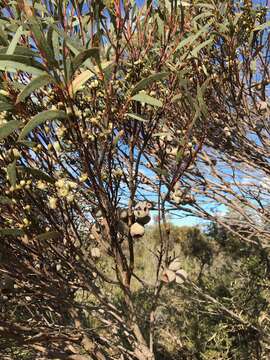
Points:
[13,63]
[11,173]
[79,81]
[11,232]
[40,119]
[205,43]
[36,173]
[191,38]
[147,99]
[8,128]
[262,26]
[148,81]
[83,56]
[35,84]
[41,41]
[48,235]
[14,41]
[136,117]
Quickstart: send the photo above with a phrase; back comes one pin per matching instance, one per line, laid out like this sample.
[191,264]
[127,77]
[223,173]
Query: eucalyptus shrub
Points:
[111,112]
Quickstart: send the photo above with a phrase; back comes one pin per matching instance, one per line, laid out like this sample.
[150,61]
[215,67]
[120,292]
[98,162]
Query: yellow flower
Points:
[57,146]
[16,153]
[70,197]
[83,177]
[41,185]
[60,183]
[52,202]
[26,221]
[63,192]
[72,184]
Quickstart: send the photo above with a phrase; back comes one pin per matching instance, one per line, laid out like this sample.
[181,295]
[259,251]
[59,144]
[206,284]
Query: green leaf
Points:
[144,98]
[136,117]
[35,84]
[83,56]
[11,173]
[148,81]
[40,119]
[27,143]
[201,46]
[14,42]
[262,26]
[72,44]
[41,41]
[36,173]
[49,235]
[5,200]
[19,50]
[5,106]
[177,97]
[160,171]
[13,63]
[190,39]
[79,81]
[11,232]
[8,128]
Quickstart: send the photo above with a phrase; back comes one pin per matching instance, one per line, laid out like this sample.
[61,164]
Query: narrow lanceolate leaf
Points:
[72,44]
[8,128]
[79,81]
[191,38]
[148,81]
[49,235]
[147,99]
[11,173]
[262,26]
[201,46]
[11,232]
[42,41]
[35,84]
[13,63]
[4,200]
[27,143]
[40,119]
[36,173]
[5,106]
[14,41]
[136,117]
[83,56]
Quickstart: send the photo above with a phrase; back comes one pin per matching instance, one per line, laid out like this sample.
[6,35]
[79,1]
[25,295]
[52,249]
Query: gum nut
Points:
[181,276]
[177,193]
[175,265]
[99,213]
[95,253]
[144,220]
[123,214]
[173,151]
[100,221]
[176,199]
[141,209]
[262,105]
[92,237]
[168,276]
[136,230]
[58,267]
